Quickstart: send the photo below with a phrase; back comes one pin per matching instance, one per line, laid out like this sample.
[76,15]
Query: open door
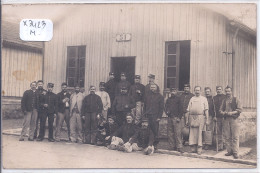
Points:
[123,64]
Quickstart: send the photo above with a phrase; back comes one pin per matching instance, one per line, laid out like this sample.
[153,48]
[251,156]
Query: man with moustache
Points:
[29,105]
[91,108]
[230,109]
[123,83]
[63,99]
[151,79]
[218,99]
[41,111]
[50,104]
[75,115]
[137,91]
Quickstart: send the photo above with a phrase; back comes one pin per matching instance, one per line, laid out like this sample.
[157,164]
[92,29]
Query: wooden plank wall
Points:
[151,25]
[19,69]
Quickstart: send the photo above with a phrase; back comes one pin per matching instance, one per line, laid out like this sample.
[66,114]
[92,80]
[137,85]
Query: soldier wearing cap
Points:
[137,91]
[91,111]
[110,86]
[173,110]
[29,105]
[50,105]
[218,99]
[143,139]
[105,99]
[153,108]
[185,98]
[123,83]
[41,92]
[122,105]
[75,115]
[63,99]
[151,78]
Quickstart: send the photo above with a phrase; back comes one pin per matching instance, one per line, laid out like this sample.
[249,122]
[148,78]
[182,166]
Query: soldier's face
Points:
[110,121]
[111,76]
[33,86]
[64,88]
[186,89]
[77,89]
[208,92]
[92,90]
[144,125]
[150,79]
[50,89]
[197,91]
[219,90]
[123,91]
[174,92]
[101,88]
[40,85]
[129,119]
[123,78]
[137,80]
[228,92]
[153,88]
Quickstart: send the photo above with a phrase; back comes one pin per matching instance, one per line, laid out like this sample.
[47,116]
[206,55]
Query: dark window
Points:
[177,64]
[76,65]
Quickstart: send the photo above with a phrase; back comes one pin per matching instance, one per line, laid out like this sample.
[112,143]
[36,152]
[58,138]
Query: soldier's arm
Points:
[161,107]
[23,101]
[166,107]
[100,105]
[221,111]
[108,101]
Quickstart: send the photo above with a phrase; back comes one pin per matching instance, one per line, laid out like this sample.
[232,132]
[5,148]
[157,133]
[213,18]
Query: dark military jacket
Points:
[91,103]
[137,96]
[62,106]
[126,132]
[121,101]
[143,137]
[120,85]
[154,105]
[218,99]
[51,99]
[173,107]
[110,88]
[185,99]
[30,100]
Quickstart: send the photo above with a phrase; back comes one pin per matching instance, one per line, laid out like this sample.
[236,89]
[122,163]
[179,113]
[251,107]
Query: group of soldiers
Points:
[126,117]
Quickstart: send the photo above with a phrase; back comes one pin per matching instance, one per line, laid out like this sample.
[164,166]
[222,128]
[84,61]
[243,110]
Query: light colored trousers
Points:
[75,127]
[59,121]
[30,119]
[174,133]
[104,113]
[231,134]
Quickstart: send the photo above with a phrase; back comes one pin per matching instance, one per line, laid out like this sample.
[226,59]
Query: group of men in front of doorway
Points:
[126,117]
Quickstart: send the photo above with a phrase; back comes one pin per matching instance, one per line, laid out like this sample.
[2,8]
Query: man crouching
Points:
[142,140]
[123,135]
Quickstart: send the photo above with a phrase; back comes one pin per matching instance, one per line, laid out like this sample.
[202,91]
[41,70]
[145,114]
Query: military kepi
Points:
[102,84]
[137,77]
[151,76]
[186,85]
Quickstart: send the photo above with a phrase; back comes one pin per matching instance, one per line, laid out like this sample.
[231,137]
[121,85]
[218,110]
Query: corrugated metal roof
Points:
[10,34]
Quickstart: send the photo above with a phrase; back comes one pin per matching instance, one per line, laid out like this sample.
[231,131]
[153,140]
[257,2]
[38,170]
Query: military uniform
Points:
[173,110]
[63,109]
[51,99]
[110,88]
[121,106]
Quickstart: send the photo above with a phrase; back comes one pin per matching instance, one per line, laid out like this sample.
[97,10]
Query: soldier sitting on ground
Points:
[123,134]
[142,140]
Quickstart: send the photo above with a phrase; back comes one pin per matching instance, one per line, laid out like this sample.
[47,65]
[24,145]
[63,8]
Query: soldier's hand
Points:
[113,138]
[83,117]
[178,120]
[158,119]
[107,137]
[229,113]
[214,119]
[207,122]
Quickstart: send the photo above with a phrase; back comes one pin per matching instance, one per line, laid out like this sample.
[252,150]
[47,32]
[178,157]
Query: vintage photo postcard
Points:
[129,85]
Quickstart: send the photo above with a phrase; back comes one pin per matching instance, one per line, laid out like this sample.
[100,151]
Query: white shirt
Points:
[105,99]
[198,105]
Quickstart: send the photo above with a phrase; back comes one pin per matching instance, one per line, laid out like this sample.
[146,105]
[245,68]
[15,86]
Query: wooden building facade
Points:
[179,43]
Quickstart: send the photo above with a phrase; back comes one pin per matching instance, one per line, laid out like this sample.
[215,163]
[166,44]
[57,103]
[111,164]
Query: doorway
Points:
[123,64]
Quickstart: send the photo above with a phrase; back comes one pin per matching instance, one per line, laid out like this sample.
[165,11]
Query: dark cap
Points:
[102,84]
[137,77]
[174,89]
[151,76]
[122,74]
[64,83]
[51,85]
[207,88]
[219,87]
[187,85]
[77,85]
[111,73]
[111,116]
[145,120]
[40,81]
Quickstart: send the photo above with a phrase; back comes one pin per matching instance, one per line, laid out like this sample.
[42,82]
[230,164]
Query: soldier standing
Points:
[75,115]
[172,109]
[105,99]
[151,79]
[123,83]
[231,109]
[122,105]
[29,105]
[41,92]
[218,99]
[137,91]
[153,108]
[63,99]
[185,98]
[110,86]
[91,108]
[50,104]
